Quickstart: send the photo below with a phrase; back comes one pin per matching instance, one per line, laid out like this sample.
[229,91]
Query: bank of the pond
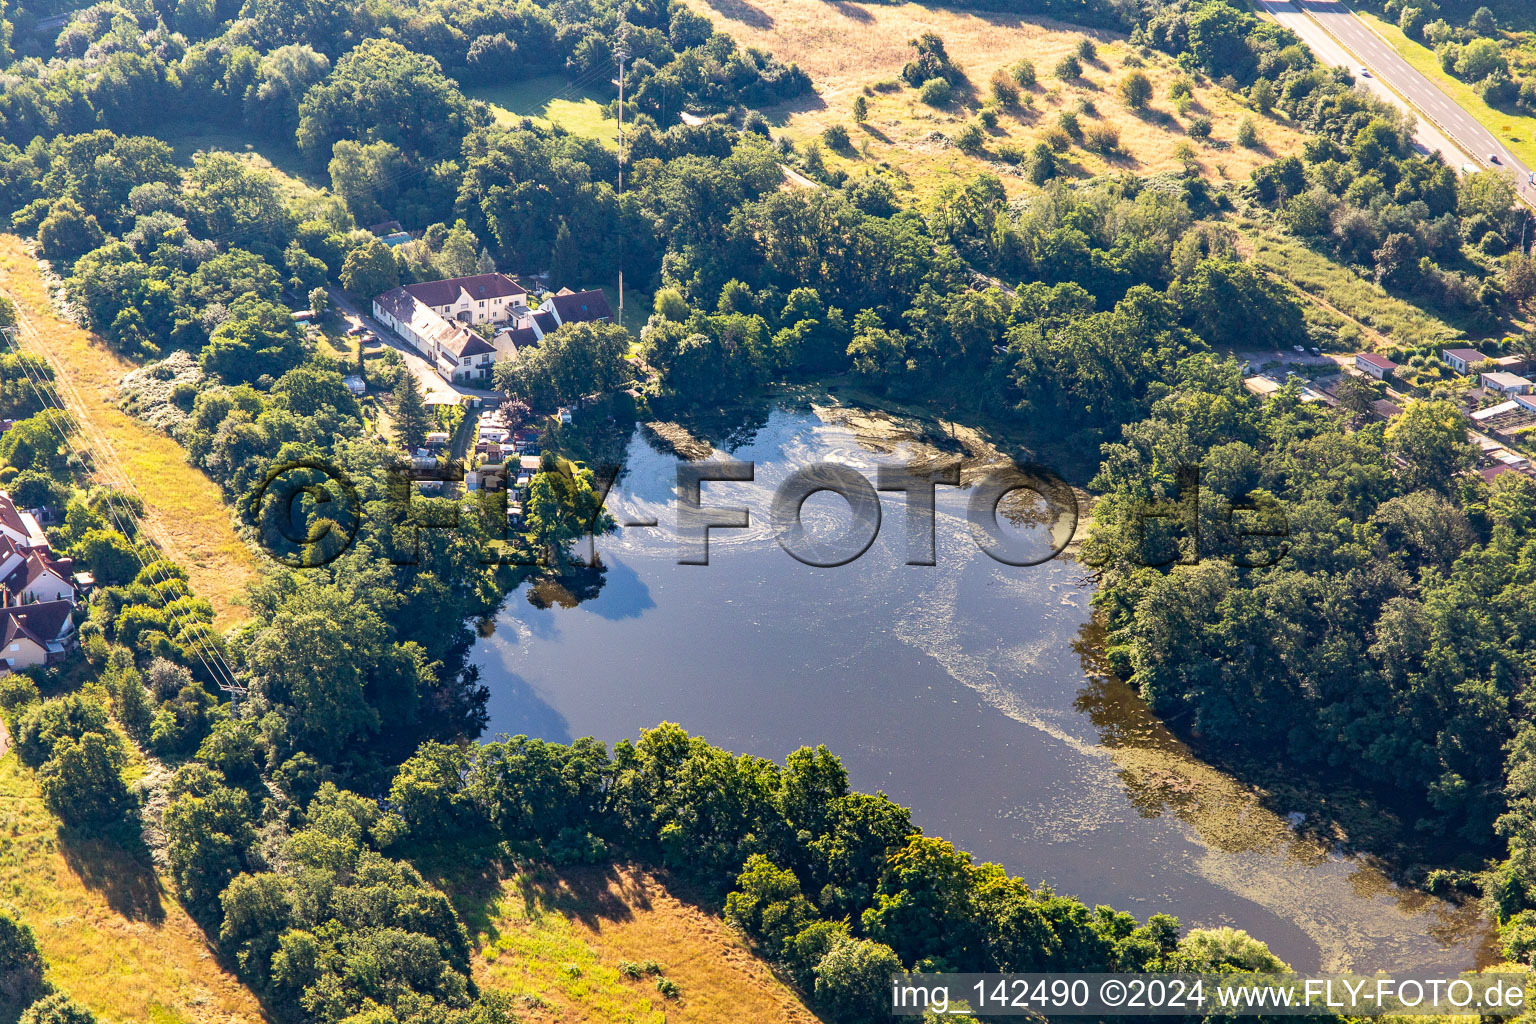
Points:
[968,690]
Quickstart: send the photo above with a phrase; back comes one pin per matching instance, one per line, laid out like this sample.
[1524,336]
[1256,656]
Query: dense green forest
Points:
[1387,645]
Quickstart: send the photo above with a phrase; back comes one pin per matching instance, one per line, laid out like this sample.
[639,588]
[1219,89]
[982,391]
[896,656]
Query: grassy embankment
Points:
[115,939]
[1386,323]
[1514,130]
[184,507]
[906,135]
[558,940]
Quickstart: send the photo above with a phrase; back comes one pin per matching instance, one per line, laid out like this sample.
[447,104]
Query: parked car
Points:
[355,329]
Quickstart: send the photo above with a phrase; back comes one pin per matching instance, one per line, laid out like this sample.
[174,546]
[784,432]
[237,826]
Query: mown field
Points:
[185,509]
[851,49]
[115,939]
[549,99]
[560,942]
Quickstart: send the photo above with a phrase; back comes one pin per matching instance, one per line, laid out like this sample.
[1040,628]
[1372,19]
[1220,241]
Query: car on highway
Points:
[1493,158]
[1365,72]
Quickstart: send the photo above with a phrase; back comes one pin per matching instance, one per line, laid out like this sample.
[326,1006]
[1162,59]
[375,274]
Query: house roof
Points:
[545,321]
[465,343]
[42,623]
[1495,410]
[508,342]
[481,286]
[1466,355]
[580,307]
[1380,362]
[1493,472]
[1504,379]
[1386,409]
[431,326]
[32,567]
[9,517]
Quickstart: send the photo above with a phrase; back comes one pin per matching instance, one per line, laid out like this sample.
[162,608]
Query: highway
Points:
[1338,37]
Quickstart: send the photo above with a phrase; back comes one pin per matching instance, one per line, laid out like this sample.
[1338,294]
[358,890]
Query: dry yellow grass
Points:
[185,509]
[115,941]
[559,942]
[848,47]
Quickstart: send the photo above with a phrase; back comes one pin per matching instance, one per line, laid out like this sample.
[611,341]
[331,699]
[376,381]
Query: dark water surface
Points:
[963,690]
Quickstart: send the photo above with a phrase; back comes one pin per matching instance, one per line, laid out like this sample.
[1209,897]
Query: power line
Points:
[228,682]
[189,626]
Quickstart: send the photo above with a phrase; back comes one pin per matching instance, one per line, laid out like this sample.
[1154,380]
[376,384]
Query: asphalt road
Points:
[1343,31]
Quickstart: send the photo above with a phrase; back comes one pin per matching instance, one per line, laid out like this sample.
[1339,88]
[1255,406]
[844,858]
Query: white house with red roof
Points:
[436,319]
[37,593]
[1373,364]
[35,634]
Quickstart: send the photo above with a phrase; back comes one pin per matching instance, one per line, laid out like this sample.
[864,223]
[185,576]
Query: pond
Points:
[967,690]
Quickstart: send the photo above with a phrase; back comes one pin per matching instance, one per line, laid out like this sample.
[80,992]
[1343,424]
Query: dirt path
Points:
[185,510]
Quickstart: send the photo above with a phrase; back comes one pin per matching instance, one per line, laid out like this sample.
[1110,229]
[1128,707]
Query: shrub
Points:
[860,109]
[1069,67]
[936,92]
[1132,61]
[1023,72]
[1247,133]
[852,977]
[1069,123]
[987,116]
[16,692]
[1180,86]
[1012,153]
[1057,140]
[629,969]
[83,783]
[1411,21]
[1262,94]
[667,987]
[21,965]
[1086,49]
[970,139]
[1199,127]
[1182,104]
[1136,89]
[1005,89]
[836,137]
[1042,164]
[1102,138]
[57,1009]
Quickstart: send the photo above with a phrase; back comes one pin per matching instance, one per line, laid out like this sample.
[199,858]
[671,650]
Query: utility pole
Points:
[622,55]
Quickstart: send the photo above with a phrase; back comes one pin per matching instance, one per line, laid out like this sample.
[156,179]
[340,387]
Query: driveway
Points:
[435,389]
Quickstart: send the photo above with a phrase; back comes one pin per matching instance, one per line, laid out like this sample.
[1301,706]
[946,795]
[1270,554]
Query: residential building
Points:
[35,634]
[1461,359]
[34,575]
[1377,366]
[20,527]
[1505,383]
[435,318]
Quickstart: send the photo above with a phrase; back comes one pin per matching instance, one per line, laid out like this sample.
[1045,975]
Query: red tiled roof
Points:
[481,286]
[32,568]
[42,623]
[581,307]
